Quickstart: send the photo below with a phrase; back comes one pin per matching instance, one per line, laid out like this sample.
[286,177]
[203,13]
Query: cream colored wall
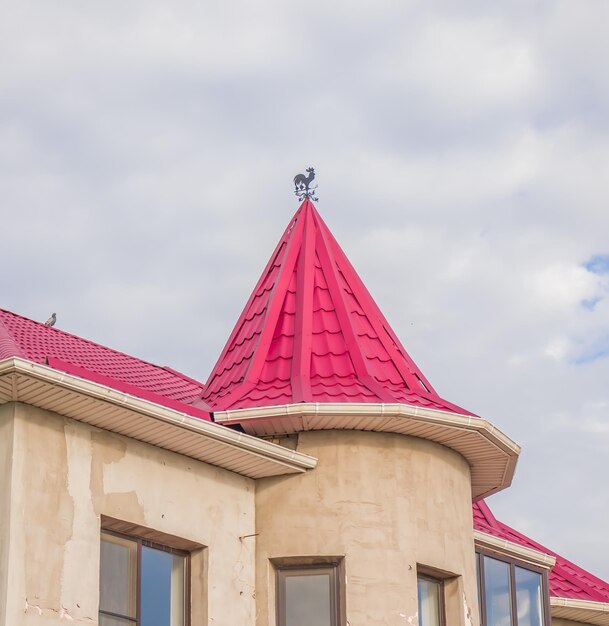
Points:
[387,503]
[67,474]
[6,456]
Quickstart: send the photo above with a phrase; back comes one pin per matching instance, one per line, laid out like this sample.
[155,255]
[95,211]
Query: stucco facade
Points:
[384,503]
[388,504]
[66,476]
[316,441]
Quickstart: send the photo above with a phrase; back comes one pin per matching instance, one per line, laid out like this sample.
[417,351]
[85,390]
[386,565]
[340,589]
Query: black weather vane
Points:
[303,187]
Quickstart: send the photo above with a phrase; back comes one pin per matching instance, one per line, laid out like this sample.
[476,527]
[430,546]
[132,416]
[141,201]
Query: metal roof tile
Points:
[567,580]
[25,338]
[310,318]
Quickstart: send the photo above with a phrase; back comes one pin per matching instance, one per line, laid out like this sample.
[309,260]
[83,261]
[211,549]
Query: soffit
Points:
[107,408]
[492,456]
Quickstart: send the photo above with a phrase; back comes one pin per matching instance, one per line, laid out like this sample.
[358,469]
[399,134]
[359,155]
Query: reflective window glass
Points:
[498,593]
[308,596]
[118,576]
[510,594]
[528,597]
[430,601]
[140,584]
[307,600]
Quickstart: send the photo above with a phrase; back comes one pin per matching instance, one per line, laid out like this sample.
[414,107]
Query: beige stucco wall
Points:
[65,475]
[386,503]
[6,456]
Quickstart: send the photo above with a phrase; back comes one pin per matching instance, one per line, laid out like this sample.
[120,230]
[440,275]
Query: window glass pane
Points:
[528,597]
[430,598]
[162,588]
[118,576]
[479,585]
[497,589]
[307,599]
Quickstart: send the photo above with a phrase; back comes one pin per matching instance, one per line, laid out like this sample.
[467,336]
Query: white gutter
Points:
[491,455]
[160,414]
[585,611]
[509,548]
[312,409]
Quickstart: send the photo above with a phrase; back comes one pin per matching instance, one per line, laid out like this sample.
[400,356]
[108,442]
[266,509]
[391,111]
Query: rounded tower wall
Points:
[384,506]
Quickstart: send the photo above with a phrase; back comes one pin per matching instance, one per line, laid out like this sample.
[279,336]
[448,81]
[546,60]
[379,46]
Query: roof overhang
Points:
[116,411]
[491,455]
[580,611]
[502,547]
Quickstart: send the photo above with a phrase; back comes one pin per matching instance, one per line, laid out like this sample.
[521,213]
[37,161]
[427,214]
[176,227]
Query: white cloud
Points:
[462,152]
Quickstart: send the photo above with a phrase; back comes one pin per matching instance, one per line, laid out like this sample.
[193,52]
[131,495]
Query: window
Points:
[142,583]
[511,593]
[431,601]
[308,595]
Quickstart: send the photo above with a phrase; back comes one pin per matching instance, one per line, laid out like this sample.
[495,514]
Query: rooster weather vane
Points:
[302,185]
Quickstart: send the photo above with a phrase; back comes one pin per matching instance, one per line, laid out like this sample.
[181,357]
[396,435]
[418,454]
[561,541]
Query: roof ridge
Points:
[411,374]
[488,515]
[88,341]
[307,274]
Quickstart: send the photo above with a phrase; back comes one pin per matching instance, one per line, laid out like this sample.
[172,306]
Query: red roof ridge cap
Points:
[490,519]
[254,293]
[412,375]
[123,387]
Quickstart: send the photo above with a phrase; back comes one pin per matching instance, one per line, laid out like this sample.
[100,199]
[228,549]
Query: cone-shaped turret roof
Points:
[311,332]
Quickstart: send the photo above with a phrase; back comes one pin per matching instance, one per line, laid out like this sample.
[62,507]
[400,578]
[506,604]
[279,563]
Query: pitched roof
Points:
[311,332]
[24,338]
[567,580]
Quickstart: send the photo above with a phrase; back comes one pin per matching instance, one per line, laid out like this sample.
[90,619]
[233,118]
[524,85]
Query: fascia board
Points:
[481,438]
[585,611]
[289,461]
[509,548]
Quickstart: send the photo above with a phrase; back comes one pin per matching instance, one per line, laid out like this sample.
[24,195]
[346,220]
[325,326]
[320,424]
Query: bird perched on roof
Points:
[51,321]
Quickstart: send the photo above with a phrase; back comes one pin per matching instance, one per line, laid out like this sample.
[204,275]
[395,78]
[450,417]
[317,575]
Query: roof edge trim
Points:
[291,460]
[365,409]
[586,611]
[491,454]
[509,548]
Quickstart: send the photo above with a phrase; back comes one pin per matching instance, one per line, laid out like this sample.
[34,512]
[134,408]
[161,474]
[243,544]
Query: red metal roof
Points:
[27,339]
[567,580]
[311,332]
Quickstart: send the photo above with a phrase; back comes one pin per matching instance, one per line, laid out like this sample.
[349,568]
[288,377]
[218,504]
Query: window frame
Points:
[142,542]
[306,567]
[441,599]
[513,563]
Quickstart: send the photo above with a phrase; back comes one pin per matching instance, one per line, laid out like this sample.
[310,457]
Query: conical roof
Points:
[311,332]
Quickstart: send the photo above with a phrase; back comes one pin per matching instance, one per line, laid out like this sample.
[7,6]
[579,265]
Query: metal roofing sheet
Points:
[567,580]
[311,332]
[27,339]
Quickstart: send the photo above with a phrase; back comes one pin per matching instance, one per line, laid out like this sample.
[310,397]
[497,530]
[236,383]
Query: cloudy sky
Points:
[462,149]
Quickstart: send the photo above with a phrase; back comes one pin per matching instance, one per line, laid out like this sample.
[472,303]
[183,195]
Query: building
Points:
[316,477]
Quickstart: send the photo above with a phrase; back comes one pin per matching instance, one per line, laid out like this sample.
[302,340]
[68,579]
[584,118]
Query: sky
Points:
[147,152]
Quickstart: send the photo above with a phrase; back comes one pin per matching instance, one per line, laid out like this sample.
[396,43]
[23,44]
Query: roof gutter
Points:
[36,384]
[585,611]
[491,454]
[509,548]
[372,410]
